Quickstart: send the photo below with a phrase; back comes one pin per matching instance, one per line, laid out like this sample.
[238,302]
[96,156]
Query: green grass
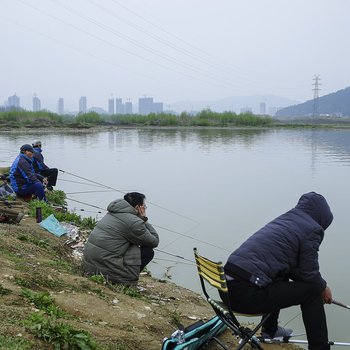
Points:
[43,301]
[62,216]
[14,343]
[4,291]
[59,334]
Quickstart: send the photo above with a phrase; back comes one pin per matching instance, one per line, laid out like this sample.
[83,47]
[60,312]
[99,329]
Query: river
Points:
[210,189]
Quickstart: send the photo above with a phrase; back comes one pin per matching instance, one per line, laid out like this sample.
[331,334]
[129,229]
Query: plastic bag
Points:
[53,225]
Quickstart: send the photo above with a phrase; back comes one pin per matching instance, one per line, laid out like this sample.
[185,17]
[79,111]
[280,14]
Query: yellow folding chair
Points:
[212,273]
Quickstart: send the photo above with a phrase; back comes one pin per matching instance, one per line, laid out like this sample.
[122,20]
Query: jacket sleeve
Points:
[143,234]
[27,171]
[308,268]
[39,160]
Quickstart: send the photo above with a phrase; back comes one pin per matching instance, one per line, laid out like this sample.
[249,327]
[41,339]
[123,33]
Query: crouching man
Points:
[122,243]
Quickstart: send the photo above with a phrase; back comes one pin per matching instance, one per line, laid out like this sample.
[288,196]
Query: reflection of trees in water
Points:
[206,137]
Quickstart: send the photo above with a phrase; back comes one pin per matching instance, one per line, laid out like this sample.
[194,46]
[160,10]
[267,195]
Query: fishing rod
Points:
[335,302]
[90,205]
[176,256]
[84,192]
[123,192]
[193,238]
[174,261]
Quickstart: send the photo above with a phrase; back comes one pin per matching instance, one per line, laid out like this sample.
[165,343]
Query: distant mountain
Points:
[335,104]
[235,104]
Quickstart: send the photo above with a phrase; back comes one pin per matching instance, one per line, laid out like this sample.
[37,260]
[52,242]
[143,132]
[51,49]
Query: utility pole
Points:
[316,88]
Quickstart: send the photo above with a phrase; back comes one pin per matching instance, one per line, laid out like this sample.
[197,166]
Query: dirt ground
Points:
[33,258]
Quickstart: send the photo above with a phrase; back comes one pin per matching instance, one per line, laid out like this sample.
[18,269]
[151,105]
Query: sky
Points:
[171,50]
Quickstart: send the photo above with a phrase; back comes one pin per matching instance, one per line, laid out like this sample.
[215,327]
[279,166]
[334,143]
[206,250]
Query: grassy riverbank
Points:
[46,302]
[18,119]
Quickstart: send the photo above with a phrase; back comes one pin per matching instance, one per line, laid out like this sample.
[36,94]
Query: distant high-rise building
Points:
[128,107]
[13,101]
[262,108]
[60,107]
[111,106]
[36,104]
[157,107]
[246,110]
[82,104]
[145,105]
[119,106]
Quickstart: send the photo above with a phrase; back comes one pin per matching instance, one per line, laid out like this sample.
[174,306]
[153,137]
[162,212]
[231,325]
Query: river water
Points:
[210,189]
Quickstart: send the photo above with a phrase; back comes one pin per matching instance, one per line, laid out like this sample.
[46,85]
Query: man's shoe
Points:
[280,333]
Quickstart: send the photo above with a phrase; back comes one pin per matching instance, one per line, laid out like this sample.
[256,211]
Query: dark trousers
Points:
[249,299]
[147,255]
[51,175]
[37,189]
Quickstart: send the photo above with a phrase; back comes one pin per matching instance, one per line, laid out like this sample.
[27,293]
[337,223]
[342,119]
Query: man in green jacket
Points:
[122,242]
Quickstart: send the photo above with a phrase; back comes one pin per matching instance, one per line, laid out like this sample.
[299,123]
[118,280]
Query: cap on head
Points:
[36,143]
[26,148]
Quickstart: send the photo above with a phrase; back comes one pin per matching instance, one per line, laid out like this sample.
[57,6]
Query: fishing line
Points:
[292,319]
[163,228]
[193,238]
[123,192]
[80,183]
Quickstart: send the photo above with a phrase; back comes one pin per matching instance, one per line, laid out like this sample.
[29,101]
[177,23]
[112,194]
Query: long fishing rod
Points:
[176,256]
[161,227]
[123,192]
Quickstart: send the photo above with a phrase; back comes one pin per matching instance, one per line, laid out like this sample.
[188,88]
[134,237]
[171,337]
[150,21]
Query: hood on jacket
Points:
[317,207]
[121,206]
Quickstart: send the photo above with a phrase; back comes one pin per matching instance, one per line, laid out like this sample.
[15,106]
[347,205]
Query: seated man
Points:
[277,267]
[24,181]
[120,246]
[41,168]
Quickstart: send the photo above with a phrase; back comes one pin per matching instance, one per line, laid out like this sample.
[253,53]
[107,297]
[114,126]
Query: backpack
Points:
[194,336]
[11,210]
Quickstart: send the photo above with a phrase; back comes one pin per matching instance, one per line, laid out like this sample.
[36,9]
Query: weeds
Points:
[65,216]
[43,301]
[38,242]
[59,334]
[99,279]
[4,291]
[37,281]
[175,318]
[10,343]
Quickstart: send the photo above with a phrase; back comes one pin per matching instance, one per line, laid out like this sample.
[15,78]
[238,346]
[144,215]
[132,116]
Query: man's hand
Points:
[45,181]
[327,295]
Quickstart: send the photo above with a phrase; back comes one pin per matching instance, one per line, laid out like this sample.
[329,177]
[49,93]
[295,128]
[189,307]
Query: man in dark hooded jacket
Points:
[277,267]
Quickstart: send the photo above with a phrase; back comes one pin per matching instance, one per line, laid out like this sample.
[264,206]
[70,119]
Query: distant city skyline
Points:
[174,51]
[145,105]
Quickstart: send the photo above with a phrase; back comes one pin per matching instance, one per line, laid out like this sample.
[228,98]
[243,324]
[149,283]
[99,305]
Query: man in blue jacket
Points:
[41,168]
[277,267]
[23,178]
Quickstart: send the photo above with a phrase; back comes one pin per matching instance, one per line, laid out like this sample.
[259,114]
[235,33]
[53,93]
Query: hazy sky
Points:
[171,50]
